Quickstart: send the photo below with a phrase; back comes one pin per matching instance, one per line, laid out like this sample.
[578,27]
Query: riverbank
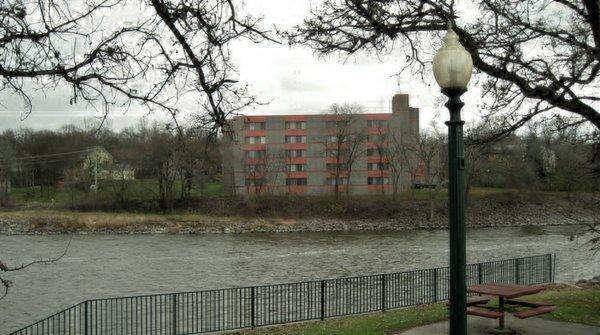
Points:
[490,211]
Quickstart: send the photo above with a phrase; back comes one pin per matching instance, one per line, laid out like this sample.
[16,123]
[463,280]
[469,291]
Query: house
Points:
[101,162]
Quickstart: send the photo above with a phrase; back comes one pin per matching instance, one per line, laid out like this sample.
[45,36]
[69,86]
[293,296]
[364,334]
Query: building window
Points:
[341,181]
[295,181]
[292,153]
[256,154]
[376,152]
[331,152]
[254,167]
[255,126]
[296,167]
[377,166]
[295,125]
[295,139]
[332,138]
[336,166]
[377,123]
[256,140]
[377,181]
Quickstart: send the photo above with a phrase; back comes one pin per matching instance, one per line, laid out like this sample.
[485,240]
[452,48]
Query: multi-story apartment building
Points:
[319,153]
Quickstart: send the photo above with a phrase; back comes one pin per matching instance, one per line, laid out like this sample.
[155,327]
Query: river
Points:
[100,266]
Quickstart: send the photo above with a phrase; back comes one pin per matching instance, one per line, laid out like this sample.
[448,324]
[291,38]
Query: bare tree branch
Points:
[183,51]
[535,55]
[6,268]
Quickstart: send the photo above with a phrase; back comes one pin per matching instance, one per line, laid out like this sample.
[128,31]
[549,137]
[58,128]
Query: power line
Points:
[40,159]
[31,163]
[57,154]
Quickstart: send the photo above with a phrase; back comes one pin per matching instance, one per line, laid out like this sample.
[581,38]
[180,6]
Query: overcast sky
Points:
[293,79]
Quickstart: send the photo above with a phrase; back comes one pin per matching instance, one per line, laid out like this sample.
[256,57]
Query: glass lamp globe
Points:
[452,65]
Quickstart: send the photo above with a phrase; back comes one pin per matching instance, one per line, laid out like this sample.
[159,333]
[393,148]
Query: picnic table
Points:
[507,294]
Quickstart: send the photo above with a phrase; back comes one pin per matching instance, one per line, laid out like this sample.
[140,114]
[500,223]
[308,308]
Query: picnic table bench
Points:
[507,295]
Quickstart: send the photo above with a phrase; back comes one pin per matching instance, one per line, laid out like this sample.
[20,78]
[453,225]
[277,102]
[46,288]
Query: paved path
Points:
[531,326]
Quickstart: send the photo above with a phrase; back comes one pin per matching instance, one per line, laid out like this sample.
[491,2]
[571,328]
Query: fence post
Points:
[174,309]
[479,274]
[383,292]
[517,276]
[252,307]
[435,284]
[85,318]
[322,299]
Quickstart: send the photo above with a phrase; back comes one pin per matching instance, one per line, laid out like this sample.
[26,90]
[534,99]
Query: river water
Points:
[100,266]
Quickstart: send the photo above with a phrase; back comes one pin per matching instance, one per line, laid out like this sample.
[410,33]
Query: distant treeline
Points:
[542,158]
[158,167]
[41,163]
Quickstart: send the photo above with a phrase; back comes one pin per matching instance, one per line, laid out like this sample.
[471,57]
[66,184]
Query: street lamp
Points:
[452,67]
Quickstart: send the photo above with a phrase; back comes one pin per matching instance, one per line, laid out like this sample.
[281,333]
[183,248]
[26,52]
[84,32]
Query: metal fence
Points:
[248,307]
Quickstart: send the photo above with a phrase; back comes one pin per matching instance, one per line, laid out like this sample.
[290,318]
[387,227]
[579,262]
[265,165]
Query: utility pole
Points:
[96,175]
[95,186]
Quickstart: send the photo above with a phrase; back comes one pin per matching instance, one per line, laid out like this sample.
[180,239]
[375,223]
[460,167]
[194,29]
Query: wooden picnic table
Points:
[503,291]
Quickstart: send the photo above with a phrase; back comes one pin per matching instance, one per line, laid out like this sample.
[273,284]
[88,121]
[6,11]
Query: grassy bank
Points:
[389,322]
[574,305]
[141,197]
[74,221]
[217,213]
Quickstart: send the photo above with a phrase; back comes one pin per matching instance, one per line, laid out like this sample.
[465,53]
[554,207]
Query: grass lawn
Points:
[574,305]
[67,221]
[369,324]
[142,189]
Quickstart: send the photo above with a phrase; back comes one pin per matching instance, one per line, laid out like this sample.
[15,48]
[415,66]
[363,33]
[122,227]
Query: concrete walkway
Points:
[531,326]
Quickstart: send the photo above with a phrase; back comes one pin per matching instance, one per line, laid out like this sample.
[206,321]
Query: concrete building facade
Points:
[316,154]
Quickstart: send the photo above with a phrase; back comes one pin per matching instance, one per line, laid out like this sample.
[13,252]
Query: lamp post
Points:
[452,67]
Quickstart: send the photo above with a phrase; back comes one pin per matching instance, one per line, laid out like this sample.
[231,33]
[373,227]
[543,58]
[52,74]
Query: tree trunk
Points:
[431,205]
[348,182]
[336,188]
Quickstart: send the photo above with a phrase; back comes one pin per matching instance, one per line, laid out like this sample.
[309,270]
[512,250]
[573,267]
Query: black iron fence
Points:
[247,307]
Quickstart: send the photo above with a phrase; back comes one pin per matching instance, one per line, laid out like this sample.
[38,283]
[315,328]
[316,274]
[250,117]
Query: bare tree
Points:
[345,142]
[48,44]
[155,61]
[403,161]
[6,165]
[262,174]
[203,31]
[195,155]
[7,284]
[428,152]
[476,153]
[397,165]
[159,153]
[275,168]
[382,146]
[535,56]
[256,178]
[591,223]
